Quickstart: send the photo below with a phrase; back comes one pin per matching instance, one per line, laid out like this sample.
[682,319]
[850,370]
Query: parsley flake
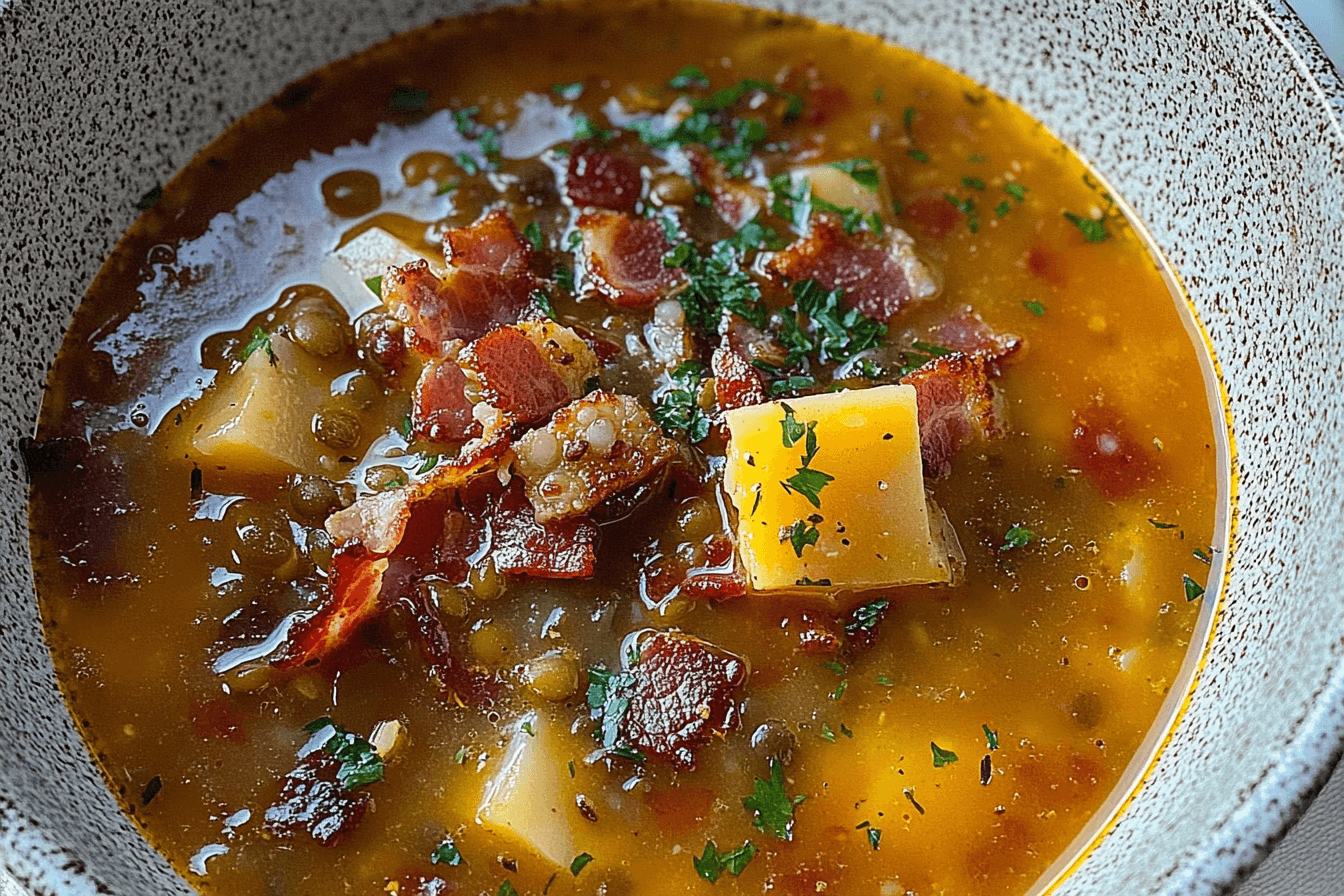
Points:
[770,805]
[874,837]
[1017,191]
[1017,537]
[533,233]
[991,737]
[918,155]
[687,77]
[568,92]
[428,464]
[447,187]
[678,407]
[360,762]
[1035,308]
[974,183]
[1093,231]
[827,734]
[446,853]
[863,171]
[942,757]
[506,889]
[793,430]
[711,864]
[580,862]
[260,340]
[802,535]
[1202,556]
[808,483]
[375,285]
[1158,524]
[543,301]
[1193,590]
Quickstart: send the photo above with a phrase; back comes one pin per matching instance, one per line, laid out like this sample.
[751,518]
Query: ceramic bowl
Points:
[1219,122]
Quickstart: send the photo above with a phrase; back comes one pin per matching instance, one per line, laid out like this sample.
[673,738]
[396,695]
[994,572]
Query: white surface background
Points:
[1318,840]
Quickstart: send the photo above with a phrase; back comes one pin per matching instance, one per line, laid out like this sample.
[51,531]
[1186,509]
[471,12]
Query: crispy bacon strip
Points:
[720,579]
[559,549]
[488,283]
[471,686]
[592,449]
[880,275]
[355,581]
[736,382]
[735,202]
[680,695]
[957,405]
[603,179]
[440,409]
[624,257]
[312,801]
[513,376]
[967,333]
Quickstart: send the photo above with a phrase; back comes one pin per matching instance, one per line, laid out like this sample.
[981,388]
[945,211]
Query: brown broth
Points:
[1066,647]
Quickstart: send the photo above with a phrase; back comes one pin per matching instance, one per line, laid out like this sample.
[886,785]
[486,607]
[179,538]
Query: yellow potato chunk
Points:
[829,491]
[530,797]
[260,419]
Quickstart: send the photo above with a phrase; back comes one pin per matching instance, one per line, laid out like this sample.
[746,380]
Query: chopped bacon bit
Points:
[312,800]
[490,246]
[559,549]
[603,179]
[355,581]
[967,333]
[957,404]
[1046,264]
[932,216]
[735,202]
[471,686]
[681,694]
[441,411]
[880,275]
[823,102]
[818,634]
[593,448]
[513,376]
[218,718]
[605,350]
[488,283]
[719,579]
[736,382]
[624,256]
[1105,450]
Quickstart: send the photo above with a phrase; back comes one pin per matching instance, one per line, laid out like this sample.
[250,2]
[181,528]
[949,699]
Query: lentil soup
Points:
[624,448]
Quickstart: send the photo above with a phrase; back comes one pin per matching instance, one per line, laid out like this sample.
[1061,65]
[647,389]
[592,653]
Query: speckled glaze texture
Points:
[1220,123]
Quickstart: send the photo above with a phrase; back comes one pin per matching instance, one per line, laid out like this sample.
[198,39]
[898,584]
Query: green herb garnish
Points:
[260,340]
[446,853]
[863,171]
[359,762]
[801,535]
[808,483]
[428,464]
[447,187]
[1017,191]
[1017,537]
[991,737]
[942,757]
[792,429]
[827,734]
[407,99]
[1193,590]
[506,889]
[771,806]
[1202,555]
[918,155]
[711,864]
[580,862]
[974,183]
[1157,524]
[568,92]
[687,77]
[533,233]
[866,617]
[678,407]
[1093,231]
[1035,308]
[874,837]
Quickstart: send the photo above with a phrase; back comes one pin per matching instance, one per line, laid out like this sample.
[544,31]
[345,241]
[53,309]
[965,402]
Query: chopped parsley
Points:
[1017,537]
[1158,524]
[580,862]
[834,667]
[1002,209]
[688,77]
[801,535]
[1093,231]
[909,121]
[1193,590]
[974,183]
[260,340]
[447,187]
[874,837]
[866,617]
[1017,191]
[991,737]
[967,208]
[506,889]
[792,429]
[360,762]
[730,96]
[711,864]
[584,129]
[543,301]
[918,155]
[851,219]
[942,757]
[375,285]
[827,734]
[678,408]
[564,277]
[717,283]
[533,233]
[446,853]
[407,99]
[791,201]
[428,464]
[1035,308]
[770,804]
[608,707]
[1202,555]
[731,142]
[460,756]
[863,171]
[568,92]
[832,332]
[808,483]
[840,690]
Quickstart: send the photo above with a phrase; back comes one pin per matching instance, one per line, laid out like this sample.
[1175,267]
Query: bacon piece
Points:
[355,581]
[880,275]
[823,102]
[956,404]
[737,203]
[313,801]
[441,411]
[603,179]
[1108,453]
[513,376]
[593,448]
[737,383]
[719,579]
[488,283]
[624,257]
[818,634]
[932,216]
[471,686]
[681,694]
[559,549]
[967,333]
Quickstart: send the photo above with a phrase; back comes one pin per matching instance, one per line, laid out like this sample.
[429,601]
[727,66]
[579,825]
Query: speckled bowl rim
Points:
[1270,806]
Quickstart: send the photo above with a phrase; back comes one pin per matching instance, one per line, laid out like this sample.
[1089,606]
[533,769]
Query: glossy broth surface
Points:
[961,753]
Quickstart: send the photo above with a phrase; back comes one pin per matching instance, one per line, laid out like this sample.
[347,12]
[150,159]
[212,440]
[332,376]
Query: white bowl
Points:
[1219,122]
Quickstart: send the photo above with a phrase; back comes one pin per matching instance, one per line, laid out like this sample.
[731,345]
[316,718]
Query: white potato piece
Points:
[369,255]
[260,419]
[839,188]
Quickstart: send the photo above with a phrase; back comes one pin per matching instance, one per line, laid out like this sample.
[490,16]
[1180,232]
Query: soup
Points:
[624,449]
